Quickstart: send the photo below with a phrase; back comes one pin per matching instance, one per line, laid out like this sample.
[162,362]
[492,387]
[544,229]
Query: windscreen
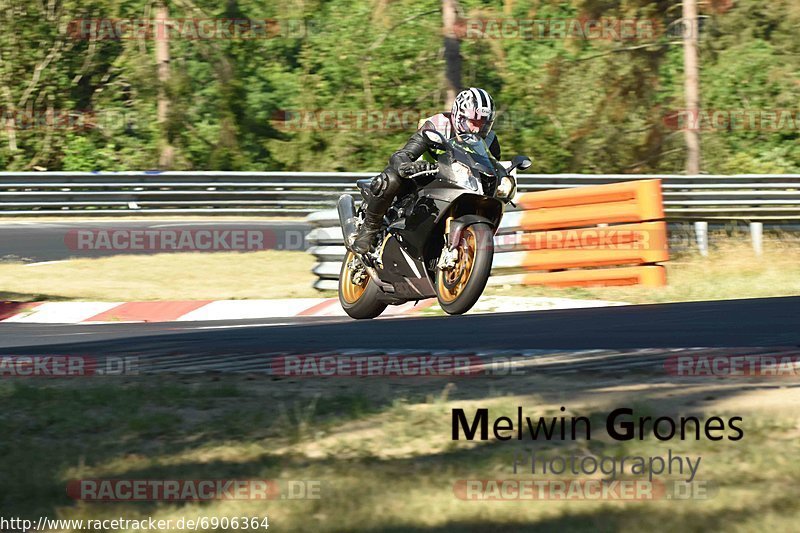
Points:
[478,153]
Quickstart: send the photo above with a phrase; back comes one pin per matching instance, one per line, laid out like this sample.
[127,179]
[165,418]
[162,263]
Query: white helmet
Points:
[473,112]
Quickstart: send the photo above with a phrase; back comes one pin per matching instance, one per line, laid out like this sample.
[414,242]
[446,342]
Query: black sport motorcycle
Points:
[437,237]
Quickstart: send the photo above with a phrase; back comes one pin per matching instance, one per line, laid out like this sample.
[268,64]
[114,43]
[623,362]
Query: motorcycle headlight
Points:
[507,188]
[463,176]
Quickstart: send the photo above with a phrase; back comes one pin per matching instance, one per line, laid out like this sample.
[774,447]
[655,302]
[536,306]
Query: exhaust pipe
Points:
[346,207]
[347,219]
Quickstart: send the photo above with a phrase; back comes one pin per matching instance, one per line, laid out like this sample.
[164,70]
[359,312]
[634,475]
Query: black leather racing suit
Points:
[389,183]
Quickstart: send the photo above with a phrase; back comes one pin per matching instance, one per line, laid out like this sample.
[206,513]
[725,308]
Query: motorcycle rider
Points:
[472,112]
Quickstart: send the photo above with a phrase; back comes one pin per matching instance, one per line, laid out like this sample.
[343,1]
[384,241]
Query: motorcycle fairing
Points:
[406,273]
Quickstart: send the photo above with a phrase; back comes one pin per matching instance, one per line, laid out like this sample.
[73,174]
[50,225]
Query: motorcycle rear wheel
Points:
[358,300]
[458,289]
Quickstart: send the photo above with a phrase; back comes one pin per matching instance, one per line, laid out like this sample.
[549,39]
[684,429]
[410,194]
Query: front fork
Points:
[449,256]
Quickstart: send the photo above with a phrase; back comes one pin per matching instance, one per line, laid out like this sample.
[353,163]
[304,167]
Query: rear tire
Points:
[358,301]
[458,290]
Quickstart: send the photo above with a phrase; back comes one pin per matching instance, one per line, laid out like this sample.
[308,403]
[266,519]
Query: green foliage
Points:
[575,105]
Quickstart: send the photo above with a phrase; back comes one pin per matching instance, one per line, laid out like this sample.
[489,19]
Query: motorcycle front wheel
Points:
[359,300]
[458,288]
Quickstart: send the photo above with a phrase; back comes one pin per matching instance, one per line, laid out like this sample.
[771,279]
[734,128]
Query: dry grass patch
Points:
[383,450]
[731,270]
[177,276]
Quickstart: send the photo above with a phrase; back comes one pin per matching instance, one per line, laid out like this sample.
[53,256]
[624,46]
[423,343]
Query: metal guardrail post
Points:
[757,237]
[701,236]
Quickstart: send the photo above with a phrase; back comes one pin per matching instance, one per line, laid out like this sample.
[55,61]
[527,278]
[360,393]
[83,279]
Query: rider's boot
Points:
[366,233]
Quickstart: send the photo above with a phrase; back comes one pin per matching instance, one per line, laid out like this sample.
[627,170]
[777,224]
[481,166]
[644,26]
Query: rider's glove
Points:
[414,167]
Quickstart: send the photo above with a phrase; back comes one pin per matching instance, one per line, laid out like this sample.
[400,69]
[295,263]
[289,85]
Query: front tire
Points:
[458,289]
[358,300]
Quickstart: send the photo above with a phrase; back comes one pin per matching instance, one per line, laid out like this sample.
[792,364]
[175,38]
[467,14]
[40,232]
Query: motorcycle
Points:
[437,238]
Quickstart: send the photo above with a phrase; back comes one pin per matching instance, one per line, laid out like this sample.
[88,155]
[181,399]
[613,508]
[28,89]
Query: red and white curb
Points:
[185,311]
[207,310]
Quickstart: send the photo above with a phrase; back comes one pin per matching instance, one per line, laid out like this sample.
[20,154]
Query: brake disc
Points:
[452,277]
[357,271]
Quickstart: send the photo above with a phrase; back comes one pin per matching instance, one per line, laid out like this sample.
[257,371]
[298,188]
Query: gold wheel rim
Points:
[350,291]
[460,275]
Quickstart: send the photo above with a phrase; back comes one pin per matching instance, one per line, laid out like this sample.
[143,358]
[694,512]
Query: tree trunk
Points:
[10,119]
[11,131]
[166,151]
[452,49]
[691,29]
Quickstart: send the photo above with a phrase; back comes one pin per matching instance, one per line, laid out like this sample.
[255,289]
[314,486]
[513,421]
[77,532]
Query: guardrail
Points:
[163,193]
[773,197]
[552,238]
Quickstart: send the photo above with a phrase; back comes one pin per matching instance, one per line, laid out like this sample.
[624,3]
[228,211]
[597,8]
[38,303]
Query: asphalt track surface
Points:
[41,241]
[764,323]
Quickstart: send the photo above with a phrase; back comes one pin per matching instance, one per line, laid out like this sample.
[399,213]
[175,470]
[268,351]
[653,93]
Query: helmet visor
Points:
[479,120]
[476,125]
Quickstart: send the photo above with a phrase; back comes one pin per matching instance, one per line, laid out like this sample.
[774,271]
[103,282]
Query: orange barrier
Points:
[632,201]
[600,246]
[644,236]
[649,276]
[569,244]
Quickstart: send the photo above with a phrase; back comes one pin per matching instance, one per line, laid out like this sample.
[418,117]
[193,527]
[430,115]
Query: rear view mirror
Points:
[434,138]
[521,162]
